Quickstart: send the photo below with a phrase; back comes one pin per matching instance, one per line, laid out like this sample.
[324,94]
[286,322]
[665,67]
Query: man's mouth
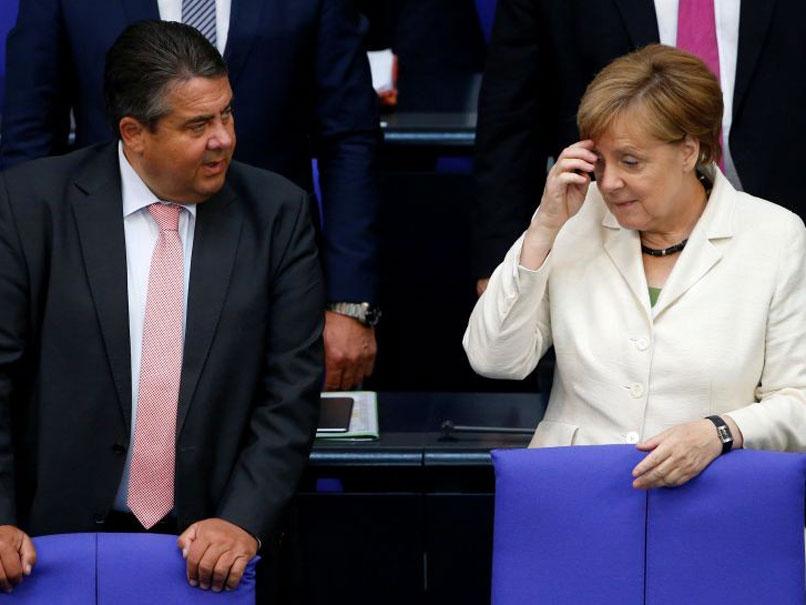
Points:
[214,167]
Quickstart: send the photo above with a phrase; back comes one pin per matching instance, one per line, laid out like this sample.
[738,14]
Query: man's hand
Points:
[350,350]
[217,552]
[677,455]
[17,556]
[481,285]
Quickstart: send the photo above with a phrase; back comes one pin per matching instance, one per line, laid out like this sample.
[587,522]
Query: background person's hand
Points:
[481,285]
[350,350]
[17,556]
[677,455]
[216,552]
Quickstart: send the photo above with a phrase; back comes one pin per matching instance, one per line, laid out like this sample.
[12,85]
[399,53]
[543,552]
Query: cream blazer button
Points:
[636,390]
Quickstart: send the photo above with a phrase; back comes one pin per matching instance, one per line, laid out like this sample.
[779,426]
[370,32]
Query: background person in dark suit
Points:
[544,54]
[302,89]
[223,408]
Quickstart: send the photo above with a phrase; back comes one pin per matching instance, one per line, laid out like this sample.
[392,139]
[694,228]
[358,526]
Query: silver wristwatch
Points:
[367,314]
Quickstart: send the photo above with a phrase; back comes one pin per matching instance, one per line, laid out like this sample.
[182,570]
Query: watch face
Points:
[373,316]
[724,434]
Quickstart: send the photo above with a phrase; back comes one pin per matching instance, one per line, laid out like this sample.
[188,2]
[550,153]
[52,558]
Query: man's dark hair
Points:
[149,58]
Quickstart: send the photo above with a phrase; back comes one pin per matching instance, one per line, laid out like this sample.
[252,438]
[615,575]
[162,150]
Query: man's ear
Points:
[132,133]
[691,152]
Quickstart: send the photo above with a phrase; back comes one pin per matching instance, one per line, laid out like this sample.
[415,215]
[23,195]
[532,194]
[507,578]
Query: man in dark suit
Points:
[302,89]
[543,55]
[160,324]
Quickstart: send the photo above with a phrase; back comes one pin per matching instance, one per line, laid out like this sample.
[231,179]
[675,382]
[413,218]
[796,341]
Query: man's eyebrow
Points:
[198,119]
[206,117]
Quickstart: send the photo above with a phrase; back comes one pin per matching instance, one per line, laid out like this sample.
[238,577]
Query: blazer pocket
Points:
[550,433]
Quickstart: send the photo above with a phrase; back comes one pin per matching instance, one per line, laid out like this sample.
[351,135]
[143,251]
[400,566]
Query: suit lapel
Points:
[140,10]
[244,27]
[623,248]
[215,243]
[98,210]
[754,23]
[640,20]
[700,254]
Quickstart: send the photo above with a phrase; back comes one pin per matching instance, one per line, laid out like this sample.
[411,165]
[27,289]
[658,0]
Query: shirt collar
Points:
[136,194]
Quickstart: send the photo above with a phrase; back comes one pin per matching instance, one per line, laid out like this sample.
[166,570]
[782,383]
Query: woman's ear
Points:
[690,148]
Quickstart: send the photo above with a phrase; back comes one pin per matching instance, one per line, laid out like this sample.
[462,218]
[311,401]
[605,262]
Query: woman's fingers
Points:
[574,164]
[582,150]
[572,178]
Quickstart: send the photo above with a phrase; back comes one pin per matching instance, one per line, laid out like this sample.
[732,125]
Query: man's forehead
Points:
[199,95]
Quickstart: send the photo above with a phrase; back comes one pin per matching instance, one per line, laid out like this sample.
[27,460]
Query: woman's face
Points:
[646,183]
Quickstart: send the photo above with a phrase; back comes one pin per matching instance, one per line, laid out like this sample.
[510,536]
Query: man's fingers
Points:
[208,564]
[221,571]
[332,377]
[27,555]
[197,550]
[236,572]
[369,366]
[5,585]
[349,380]
[185,539]
[12,566]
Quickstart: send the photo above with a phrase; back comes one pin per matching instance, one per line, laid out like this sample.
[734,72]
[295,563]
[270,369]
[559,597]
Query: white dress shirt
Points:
[726,13]
[171,10]
[141,232]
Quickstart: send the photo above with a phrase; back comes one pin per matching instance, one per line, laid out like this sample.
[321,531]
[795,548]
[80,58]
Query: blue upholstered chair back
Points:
[569,529]
[124,569]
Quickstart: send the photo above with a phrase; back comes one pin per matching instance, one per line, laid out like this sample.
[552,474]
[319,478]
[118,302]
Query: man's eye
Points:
[630,162]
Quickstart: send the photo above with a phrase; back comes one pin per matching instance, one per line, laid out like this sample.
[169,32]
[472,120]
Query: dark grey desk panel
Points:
[410,426]
[434,110]
[430,129]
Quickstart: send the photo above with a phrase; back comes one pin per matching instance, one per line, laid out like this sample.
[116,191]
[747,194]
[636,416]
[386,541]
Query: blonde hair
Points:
[672,92]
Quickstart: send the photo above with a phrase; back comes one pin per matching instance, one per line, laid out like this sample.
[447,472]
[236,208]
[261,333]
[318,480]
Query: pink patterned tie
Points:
[696,31]
[151,480]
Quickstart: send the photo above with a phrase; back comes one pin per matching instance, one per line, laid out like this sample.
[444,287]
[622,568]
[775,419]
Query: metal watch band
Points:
[364,312]
[723,431]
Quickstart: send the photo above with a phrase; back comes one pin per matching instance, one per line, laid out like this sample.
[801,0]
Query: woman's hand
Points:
[566,186]
[677,455]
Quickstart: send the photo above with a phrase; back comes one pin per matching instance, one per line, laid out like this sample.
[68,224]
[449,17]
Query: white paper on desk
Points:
[364,418]
[382,66]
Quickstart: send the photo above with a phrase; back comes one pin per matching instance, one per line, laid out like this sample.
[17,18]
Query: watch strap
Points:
[723,431]
[366,313]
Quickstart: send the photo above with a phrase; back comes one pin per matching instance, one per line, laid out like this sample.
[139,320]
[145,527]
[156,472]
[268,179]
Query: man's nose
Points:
[222,137]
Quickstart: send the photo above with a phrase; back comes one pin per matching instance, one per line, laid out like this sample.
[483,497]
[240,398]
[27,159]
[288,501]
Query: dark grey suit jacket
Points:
[252,366]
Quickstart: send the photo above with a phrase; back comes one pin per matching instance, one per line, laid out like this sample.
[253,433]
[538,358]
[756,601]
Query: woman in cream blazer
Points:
[727,333]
